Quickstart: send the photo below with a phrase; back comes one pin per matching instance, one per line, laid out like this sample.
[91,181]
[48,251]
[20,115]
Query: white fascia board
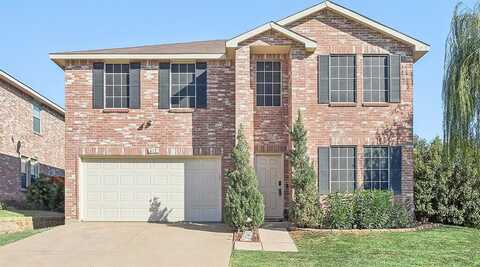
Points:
[309,44]
[136,56]
[29,91]
[419,46]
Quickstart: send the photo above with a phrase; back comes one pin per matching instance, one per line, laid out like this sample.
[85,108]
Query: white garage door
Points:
[151,190]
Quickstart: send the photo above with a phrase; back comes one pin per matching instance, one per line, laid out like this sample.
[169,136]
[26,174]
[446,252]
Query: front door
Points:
[269,169]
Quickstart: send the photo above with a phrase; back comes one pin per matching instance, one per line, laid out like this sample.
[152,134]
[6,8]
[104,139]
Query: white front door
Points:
[269,169]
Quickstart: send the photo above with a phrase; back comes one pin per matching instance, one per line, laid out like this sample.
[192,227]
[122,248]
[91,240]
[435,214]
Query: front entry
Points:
[269,169]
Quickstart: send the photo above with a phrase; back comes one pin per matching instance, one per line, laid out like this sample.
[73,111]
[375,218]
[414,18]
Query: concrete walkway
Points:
[122,244]
[273,237]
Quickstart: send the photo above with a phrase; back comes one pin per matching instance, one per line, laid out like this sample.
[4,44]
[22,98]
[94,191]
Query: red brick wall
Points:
[92,132]
[231,101]
[359,125]
[18,139]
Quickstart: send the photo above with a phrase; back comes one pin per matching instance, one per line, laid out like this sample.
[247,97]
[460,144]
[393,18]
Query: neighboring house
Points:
[150,129]
[32,136]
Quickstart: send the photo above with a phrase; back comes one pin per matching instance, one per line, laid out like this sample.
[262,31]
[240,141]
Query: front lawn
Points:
[9,238]
[446,246]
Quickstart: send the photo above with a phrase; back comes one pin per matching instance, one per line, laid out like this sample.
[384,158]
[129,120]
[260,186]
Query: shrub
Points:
[339,211]
[45,194]
[244,207]
[304,210]
[372,208]
[399,217]
[447,186]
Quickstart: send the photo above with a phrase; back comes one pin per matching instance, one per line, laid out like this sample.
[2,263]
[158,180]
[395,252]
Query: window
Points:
[116,85]
[37,118]
[183,86]
[342,169]
[24,170]
[375,78]
[34,170]
[376,168]
[342,78]
[269,83]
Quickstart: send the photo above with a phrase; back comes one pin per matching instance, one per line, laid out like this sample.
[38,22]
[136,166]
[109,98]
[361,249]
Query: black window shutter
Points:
[164,86]
[394,90]
[201,82]
[324,170]
[323,79]
[97,85]
[134,84]
[396,169]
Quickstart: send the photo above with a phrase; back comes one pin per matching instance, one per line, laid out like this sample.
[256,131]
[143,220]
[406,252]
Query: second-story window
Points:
[37,121]
[117,85]
[342,78]
[375,78]
[183,88]
[269,83]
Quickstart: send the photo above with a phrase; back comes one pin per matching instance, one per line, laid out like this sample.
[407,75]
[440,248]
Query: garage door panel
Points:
[152,190]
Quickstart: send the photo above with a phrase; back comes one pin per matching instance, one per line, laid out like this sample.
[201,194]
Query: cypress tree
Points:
[244,207]
[304,210]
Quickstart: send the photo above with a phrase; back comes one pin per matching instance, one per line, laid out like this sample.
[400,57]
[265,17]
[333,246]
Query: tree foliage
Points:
[447,186]
[304,208]
[244,207]
[461,83]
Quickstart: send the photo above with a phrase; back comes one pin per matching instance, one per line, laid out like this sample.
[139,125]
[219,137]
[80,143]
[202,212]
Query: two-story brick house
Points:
[32,133]
[150,129]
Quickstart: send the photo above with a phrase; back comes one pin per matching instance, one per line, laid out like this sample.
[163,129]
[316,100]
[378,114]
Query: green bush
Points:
[244,207]
[399,217]
[304,210]
[46,194]
[372,208]
[447,186]
[365,209]
[3,205]
[339,212]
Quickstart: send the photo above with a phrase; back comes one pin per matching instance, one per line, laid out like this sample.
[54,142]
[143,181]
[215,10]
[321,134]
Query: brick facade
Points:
[231,102]
[18,139]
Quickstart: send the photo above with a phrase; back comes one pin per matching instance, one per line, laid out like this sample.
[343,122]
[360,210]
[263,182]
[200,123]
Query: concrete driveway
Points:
[123,244]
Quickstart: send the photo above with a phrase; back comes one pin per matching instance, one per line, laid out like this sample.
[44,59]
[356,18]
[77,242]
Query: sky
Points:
[32,29]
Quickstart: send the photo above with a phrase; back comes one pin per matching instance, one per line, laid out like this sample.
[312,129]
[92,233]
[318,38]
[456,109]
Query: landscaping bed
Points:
[444,246]
[12,221]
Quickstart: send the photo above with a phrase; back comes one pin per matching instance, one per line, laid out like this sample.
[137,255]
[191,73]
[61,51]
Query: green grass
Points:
[446,246]
[9,238]
[7,214]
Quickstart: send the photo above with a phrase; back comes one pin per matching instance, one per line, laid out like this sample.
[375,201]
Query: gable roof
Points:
[421,48]
[309,44]
[216,49]
[31,92]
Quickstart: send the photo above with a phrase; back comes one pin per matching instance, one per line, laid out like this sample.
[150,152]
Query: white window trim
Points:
[281,83]
[105,84]
[170,84]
